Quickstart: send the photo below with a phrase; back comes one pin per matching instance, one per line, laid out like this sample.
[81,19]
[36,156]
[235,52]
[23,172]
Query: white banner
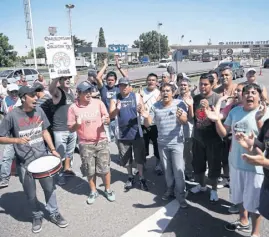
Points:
[60,56]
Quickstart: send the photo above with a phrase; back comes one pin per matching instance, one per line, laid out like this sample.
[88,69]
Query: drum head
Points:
[43,164]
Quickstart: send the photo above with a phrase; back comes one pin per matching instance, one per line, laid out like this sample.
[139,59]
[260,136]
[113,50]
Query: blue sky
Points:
[124,20]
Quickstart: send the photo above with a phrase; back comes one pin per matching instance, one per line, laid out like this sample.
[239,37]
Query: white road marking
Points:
[155,225]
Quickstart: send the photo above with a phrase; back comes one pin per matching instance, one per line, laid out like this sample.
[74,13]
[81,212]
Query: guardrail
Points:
[142,82]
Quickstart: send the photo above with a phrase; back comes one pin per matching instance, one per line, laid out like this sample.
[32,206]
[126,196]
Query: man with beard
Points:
[169,115]
[207,145]
[245,179]
[29,146]
[150,96]
[65,141]
[129,132]
[109,91]
[252,78]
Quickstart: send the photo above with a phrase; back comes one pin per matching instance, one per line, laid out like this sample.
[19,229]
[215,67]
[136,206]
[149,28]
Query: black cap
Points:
[124,81]
[26,90]
[83,86]
[38,86]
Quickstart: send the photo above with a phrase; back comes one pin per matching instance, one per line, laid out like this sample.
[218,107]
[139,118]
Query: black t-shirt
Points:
[18,123]
[204,129]
[264,138]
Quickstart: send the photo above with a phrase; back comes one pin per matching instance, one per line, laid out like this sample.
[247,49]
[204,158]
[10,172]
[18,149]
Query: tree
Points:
[81,43]
[40,53]
[101,43]
[7,55]
[149,45]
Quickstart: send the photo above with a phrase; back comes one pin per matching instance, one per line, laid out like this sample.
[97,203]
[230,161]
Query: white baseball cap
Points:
[251,70]
[12,87]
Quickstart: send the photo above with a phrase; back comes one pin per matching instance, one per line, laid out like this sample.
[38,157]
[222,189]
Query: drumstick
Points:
[33,130]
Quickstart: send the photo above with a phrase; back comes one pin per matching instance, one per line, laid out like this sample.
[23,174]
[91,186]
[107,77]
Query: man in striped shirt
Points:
[169,115]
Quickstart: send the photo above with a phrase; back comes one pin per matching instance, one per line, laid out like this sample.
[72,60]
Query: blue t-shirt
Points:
[242,121]
[108,93]
[170,131]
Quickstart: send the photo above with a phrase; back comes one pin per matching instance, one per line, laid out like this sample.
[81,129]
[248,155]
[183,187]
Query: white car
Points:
[164,63]
[13,75]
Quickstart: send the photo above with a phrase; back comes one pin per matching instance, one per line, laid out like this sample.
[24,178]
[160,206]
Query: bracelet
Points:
[52,150]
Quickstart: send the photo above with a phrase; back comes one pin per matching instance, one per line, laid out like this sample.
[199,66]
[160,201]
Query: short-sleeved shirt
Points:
[18,123]
[264,138]
[107,93]
[242,121]
[204,129]
[92,129]
[149,99]
[170,131]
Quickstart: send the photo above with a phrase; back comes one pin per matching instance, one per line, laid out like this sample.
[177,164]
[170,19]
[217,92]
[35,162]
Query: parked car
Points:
[164,63]
[13,75]
[266,63]
[237,69]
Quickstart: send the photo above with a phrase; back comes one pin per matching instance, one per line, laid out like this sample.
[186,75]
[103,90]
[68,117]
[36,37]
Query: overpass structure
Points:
[255,49]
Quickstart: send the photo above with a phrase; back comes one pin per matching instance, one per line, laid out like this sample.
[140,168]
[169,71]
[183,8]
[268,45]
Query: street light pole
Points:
[32,32]
[69,7]
[159,38]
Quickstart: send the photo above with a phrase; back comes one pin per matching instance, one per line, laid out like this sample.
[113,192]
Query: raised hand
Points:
[105,62]
[257,159]
[118,105]
[213,115]
[188,100]
[141,110]
[246,141]
[261,112]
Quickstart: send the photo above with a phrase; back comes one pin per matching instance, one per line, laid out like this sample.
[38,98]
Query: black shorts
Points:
[226,150]
[208,151]
[264,199]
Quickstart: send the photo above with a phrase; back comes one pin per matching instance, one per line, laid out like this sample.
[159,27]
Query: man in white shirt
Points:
[151,95]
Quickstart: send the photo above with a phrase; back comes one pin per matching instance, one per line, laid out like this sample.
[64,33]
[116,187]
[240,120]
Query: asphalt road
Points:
[191,66]
[133,212]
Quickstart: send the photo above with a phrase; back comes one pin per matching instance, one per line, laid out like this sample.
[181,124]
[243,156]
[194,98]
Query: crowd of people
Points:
[219,132]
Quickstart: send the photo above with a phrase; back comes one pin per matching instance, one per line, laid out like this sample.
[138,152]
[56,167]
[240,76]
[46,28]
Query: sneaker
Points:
[168,195]
[198,189]
[59,220]
[110,195]
[214,196]
[237,225]
[92,197]
[61,180]
[143,185]
[4,183]
[158,170]
[135,172]
[233,209]
[37,225]
[189,178]
[129,184]
[183,204]
[223,182]
[69,173]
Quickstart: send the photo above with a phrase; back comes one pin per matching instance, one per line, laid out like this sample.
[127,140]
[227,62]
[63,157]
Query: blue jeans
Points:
[174,166]
[65,143]
[29,187]
[8,156]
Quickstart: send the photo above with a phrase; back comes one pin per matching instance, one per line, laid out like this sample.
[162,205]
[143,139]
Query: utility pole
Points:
[69,7]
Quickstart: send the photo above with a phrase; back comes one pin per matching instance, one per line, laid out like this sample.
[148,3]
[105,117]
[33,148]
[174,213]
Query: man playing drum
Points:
[28,126]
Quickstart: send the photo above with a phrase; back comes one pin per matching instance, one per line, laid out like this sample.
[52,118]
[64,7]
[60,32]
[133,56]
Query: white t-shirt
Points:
[3,91]
[149,99]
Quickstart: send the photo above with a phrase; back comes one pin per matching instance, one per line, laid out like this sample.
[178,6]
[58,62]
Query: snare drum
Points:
[45,166]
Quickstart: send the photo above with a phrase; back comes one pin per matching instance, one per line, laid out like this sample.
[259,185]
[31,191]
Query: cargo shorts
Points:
[95,158]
